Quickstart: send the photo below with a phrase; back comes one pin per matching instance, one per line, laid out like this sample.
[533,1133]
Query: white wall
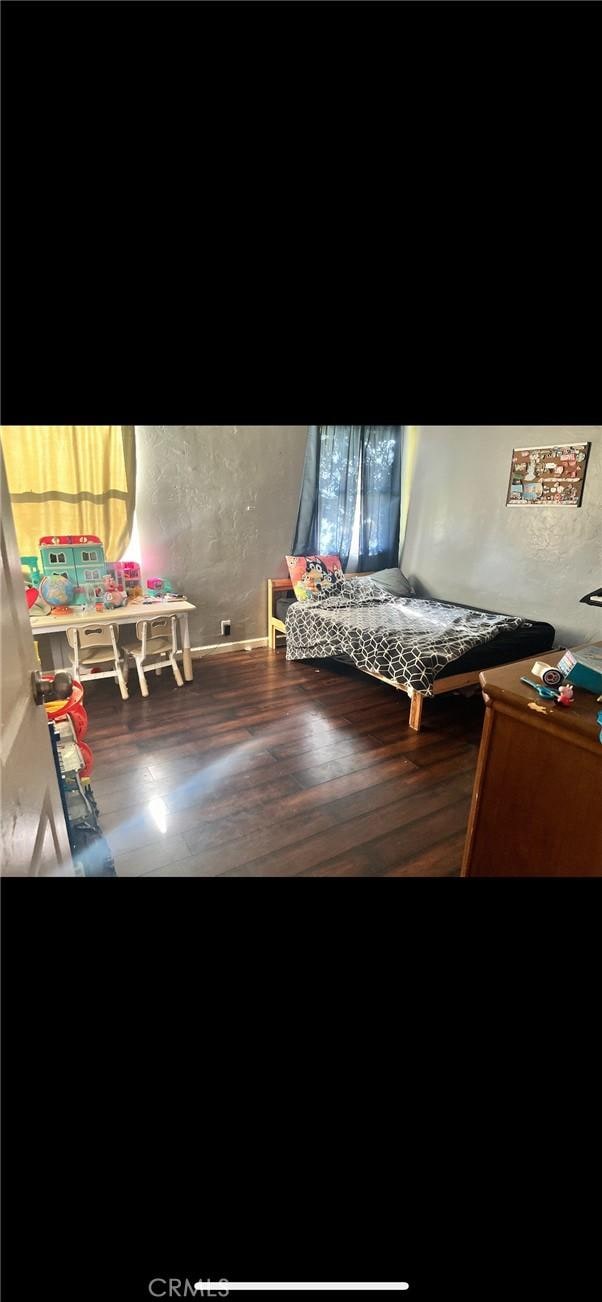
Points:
[463,543]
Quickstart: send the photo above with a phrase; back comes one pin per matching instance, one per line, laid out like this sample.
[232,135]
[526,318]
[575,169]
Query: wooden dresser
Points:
[537,802]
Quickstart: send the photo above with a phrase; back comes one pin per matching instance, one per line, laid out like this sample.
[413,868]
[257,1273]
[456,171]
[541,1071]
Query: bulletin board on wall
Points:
[551,475]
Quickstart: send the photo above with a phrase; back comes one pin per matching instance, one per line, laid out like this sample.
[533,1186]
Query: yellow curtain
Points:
[71,479]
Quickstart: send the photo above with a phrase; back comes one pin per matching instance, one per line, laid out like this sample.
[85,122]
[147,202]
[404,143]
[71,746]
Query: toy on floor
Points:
[64,699]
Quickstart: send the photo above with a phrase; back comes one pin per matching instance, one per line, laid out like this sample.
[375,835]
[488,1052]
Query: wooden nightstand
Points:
[537,800]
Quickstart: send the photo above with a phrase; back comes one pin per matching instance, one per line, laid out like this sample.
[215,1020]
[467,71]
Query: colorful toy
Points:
[32,579]
[565,695]
[58,591]
[157,587]
[546,692]
[584,667]
[91,595]
[88,759]
[31,571]
[69,706]
[114,597]
[36,603]
[116,571]
[552,678]
[132,579]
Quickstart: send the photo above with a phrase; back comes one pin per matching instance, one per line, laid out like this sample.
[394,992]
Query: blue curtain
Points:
[329,492]
[340,462]
[380,507]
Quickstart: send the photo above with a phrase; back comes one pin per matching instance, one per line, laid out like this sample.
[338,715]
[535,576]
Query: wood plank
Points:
[397,811]
[268,767]
[363,818]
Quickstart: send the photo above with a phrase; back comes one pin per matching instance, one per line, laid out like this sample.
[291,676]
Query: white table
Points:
[53,625]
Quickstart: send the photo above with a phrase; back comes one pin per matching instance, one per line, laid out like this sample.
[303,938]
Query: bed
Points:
[472,643]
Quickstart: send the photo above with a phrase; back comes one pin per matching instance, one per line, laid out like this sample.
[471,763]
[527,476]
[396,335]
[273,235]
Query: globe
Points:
[57,590]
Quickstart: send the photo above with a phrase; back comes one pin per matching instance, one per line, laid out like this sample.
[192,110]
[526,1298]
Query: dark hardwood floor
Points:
[267,768]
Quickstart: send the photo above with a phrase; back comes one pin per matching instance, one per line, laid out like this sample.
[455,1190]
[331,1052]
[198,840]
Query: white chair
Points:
[155,639]
[95,645]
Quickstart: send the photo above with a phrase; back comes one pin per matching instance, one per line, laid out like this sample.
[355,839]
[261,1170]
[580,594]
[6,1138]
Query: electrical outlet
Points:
[226,628]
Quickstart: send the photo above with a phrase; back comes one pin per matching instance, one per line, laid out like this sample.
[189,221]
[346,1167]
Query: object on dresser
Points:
[583,666]
[547,692]
[566,695]
[549,676]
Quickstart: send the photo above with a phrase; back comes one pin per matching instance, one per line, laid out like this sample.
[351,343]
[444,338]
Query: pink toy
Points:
[114,600]
[114,596]
[565,695]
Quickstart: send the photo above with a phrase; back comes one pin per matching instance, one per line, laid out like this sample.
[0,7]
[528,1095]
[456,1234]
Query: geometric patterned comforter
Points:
[403,638]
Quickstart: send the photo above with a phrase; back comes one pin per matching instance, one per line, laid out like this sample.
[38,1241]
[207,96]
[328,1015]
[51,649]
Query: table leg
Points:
[186,656]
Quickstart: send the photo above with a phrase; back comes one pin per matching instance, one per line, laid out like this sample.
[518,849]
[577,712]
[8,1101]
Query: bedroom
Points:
[260,729]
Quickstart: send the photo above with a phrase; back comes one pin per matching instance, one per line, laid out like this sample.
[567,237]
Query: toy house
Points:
[79,558]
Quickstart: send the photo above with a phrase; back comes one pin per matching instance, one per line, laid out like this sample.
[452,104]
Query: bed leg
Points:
[416,711]
[271,638]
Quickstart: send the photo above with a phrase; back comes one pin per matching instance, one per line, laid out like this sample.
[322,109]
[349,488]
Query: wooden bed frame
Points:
[278,587]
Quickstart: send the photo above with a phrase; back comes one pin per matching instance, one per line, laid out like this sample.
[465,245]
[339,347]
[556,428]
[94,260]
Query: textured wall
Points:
[463,543]
[216,510]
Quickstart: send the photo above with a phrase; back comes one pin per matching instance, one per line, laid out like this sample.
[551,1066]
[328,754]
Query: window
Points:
[71,479]
[351,496]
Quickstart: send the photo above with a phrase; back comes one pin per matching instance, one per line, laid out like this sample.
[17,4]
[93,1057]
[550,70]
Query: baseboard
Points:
[222,648]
